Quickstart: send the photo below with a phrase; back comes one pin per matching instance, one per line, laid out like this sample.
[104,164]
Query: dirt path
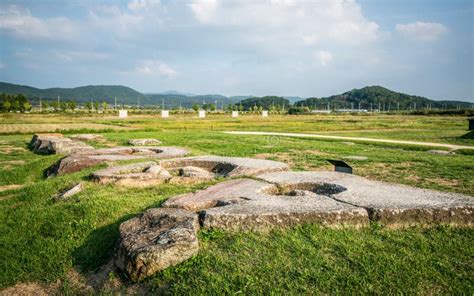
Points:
[428,144]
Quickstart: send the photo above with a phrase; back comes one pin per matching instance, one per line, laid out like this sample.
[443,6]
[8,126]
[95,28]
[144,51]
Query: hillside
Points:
[125,95]
[371,96]
[264,102]
[80,94]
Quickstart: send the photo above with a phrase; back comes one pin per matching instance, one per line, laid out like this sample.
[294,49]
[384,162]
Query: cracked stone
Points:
[84,159]
[144,142]
[135,175]
[56,144]
[391,204]
[157,239]
[227,166]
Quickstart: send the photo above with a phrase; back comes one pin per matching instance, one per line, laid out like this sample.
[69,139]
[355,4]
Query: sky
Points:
[238,47]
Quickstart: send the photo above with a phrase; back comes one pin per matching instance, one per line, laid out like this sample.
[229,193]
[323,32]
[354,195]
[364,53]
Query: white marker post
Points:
[235,114]
[123,113]
[202,114]
[165,113]
[264,113]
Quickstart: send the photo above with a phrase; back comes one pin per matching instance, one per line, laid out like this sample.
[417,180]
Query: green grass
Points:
[40,240]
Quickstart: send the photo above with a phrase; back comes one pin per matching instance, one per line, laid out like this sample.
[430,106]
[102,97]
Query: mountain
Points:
[264,102]
[173,92]
[293,99]
[375,97]
[80,94]
[174,101]
[368,97]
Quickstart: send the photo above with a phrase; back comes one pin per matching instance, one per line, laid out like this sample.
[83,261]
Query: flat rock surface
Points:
[144,142]
[157,239]
[136,174]
[387,203]
[84,159]
[244,204]
[228,166]
[218,194]
[56,144]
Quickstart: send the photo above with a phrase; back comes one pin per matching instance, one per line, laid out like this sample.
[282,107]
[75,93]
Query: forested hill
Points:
[80,94]
[371,96]
[125,95]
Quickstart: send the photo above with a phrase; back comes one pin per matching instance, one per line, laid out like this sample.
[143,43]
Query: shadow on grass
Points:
[469,135]
[99,246]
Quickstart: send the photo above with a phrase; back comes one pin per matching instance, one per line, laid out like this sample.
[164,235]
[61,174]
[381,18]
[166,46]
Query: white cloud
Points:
[155,67]
[422,31]
[19,22]
[324,57]
[299,22]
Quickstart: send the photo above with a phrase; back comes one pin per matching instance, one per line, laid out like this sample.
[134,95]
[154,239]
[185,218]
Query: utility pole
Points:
[58,102]
[138,103]
[115,105]
[162,104]
[41,106]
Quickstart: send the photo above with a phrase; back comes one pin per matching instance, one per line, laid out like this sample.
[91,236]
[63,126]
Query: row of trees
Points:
[73,105]
[14,103]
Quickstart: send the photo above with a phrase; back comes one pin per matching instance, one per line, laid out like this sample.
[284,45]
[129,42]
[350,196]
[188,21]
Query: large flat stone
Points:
[227,166]
[390,204]
[218,194]
[144,142]
[136,174]
[84,159]
[156,240]
[247,204]
[56,144]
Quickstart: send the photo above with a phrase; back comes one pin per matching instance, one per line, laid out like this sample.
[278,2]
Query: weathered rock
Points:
[87,137]
[84,159]
[69,192]
[195,172]
[144,142]
[136,174]
[391,204]
[227,166]
[246,204]
[37,138]
[158,239]
[56,144]
[217,194]
[441,152]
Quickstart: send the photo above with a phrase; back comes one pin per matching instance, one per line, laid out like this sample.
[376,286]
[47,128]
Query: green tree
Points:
[63,106]
[44,105]
[7,105]
[89,106]
[55,105]
[195,107]
[96,106]
[26,106]
[105,106]
[72,105]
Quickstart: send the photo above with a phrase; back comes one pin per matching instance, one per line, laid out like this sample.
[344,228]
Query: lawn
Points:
[42,241]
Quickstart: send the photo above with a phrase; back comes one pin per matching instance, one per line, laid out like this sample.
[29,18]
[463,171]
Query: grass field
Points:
[42,241]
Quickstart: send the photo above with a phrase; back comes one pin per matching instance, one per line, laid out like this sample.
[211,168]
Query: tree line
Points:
[14,103]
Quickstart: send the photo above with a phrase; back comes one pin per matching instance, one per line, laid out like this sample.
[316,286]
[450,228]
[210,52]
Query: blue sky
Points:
[273,47]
